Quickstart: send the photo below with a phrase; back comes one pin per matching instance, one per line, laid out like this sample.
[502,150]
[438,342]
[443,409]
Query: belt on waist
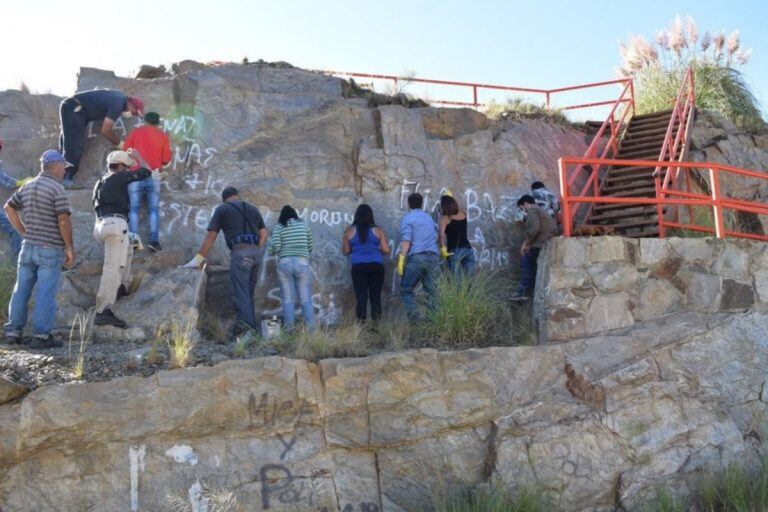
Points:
[423,252]
[109,215]
[243,246]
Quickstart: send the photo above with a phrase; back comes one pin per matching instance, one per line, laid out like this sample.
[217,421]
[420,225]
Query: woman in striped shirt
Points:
[291,242]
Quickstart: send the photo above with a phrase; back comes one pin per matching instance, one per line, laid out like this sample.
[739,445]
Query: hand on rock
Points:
[195,262]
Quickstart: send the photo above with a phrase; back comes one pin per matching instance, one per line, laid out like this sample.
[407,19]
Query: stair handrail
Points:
[566,182]
[682,114]
[715,200]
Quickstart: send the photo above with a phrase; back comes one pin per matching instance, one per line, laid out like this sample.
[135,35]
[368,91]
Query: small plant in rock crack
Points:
[209,499]
[80,333]
[178,338]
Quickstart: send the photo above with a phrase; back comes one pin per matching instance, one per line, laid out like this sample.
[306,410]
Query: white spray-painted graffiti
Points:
[136,456]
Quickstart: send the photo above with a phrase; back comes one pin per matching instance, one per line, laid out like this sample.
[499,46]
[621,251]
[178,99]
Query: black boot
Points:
[39,343]
[107,317]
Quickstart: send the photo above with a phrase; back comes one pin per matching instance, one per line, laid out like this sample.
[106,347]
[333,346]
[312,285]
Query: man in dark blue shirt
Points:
[106,105]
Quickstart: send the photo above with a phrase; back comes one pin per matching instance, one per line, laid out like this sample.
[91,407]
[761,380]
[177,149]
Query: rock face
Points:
[598,422]
[287,136]
[588,286]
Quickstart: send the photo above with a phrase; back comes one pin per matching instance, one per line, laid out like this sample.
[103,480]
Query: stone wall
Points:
[589,286]
[599,423]
[287,136]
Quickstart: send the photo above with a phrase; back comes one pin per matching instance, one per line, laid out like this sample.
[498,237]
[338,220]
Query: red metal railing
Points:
[716,200]
[612,127]
[547,94]
[675,143]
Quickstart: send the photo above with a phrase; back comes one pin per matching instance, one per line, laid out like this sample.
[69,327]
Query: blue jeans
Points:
[14,236]
[419,268]
[243,271]
[528,269]
[136,191]
[295,272]
[41,265]
[462,260]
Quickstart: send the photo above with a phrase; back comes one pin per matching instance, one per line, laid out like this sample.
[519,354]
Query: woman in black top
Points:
[452,230]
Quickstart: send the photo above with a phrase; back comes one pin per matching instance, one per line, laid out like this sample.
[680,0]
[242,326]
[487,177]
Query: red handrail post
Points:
[717,205]
[565,199]
[474,96]
[632,95]
[547,96]
[660,204]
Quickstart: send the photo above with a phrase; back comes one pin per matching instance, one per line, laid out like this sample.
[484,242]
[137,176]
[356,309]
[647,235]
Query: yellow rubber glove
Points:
[401,265]
[444,252]
[24,181]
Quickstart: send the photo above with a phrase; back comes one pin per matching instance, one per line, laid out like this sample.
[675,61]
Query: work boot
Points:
[13,338]
[40,343]
[107,317]
[122,292]
[154,246]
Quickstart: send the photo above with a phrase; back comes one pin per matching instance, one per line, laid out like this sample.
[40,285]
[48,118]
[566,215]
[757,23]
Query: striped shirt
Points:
[294,239]
[41,201]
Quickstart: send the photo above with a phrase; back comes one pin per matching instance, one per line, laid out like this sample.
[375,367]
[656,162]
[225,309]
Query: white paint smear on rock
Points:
[182,453]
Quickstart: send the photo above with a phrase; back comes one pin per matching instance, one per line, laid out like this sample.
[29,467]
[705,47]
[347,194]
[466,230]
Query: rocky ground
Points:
[106,360]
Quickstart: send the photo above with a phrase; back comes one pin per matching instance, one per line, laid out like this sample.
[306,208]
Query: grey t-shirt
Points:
[41,201]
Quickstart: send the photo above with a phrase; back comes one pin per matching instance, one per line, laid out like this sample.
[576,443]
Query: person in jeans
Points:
[291,242]
[75,112]
[418,261]
[246,235]
[47,231]
[10,183]
[155,147]
[366,245]
[540,227]
[452,231]
[111,204]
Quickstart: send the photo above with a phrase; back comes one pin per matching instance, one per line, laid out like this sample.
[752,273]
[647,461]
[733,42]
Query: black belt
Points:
[423,252]
[118,215]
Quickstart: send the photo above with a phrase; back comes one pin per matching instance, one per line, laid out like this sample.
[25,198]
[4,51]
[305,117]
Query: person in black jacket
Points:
[112,205]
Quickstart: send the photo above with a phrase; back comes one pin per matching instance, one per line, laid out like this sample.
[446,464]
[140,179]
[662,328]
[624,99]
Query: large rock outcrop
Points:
[600,423]
[288,136]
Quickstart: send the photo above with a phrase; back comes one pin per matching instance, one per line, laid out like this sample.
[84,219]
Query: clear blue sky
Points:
[528,43]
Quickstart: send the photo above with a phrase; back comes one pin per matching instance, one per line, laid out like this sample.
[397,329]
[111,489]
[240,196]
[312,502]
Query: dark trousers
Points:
[73,135]
[528,267]
[368,281]
[244,272]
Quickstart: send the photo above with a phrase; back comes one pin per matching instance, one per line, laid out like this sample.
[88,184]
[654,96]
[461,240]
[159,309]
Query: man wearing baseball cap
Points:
[111,203]
[75,112]
[245,235]
[47,231]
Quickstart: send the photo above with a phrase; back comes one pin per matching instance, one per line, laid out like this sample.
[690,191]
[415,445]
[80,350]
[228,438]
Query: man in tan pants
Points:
[112,205]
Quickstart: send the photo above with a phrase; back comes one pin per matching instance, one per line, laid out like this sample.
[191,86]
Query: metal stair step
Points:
[643,176]
[648,211]
[649,190]
[667,112]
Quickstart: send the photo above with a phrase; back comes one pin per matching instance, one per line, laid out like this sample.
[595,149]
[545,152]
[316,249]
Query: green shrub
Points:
[492,500]
[469,312]
[659,67]
[519,108]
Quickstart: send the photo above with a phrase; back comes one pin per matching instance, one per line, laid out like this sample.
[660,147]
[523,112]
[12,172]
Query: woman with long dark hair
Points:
[291,242]
[452,232]
[366,245]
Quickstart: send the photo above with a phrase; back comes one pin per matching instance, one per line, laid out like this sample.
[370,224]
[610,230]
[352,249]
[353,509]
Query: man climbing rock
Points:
[418,261]
[245,235]
[111,203]
[75,112]
[155,147]
[47,231]
[10,183]
[540,227]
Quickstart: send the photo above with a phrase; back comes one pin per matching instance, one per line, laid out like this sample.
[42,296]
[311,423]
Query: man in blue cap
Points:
[40,212]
